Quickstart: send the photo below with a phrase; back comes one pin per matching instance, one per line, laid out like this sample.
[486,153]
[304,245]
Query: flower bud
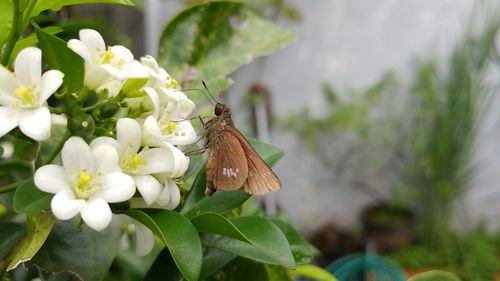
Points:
[82,125]
[109,109]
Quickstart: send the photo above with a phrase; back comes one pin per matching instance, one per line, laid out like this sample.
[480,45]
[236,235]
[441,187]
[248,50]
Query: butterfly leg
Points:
[210,189]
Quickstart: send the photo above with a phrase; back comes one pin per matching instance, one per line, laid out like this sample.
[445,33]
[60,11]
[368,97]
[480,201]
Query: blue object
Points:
[363,267]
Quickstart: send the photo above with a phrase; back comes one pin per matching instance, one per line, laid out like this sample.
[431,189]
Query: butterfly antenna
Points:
[204,93]
[206,88]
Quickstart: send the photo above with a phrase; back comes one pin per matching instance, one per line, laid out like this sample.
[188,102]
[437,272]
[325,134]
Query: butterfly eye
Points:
[218,109]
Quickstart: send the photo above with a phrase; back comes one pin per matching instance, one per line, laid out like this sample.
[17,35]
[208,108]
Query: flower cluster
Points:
[140,154]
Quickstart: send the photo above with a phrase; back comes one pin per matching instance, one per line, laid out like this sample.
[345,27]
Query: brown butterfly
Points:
[232,162]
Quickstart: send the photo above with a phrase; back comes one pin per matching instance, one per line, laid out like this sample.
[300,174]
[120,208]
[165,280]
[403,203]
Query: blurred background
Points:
[388,115]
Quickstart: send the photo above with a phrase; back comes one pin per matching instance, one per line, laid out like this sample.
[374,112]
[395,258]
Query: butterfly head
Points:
[220,109]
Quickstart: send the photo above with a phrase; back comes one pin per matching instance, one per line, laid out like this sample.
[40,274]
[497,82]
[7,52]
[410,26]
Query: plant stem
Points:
[10,187]
[27,13]
[13,35]
[58,148]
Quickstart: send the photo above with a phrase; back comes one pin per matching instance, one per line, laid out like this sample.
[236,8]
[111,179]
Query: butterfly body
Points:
[232,162]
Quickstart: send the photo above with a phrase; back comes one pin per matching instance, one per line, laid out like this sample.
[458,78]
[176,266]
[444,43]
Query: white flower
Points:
[8,149]
[171,127]
[161,90]
[104,64]
[158,77]
[142,164]
[169,198]
[23,95]
[88,180]
[144,237]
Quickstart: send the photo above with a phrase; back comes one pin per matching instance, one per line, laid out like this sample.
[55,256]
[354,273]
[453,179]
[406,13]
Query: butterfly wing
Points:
[261,179]
[227,167]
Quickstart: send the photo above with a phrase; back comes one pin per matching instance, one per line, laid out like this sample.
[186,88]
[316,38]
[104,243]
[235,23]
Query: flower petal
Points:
[145,239]
[95,76]
[175,195]
[50,82]
[28,66]
[183,134]
[77,156]
[106,159]
[78,47]
[180,161]
[115,187]
[105,141]
[36,123]
[9,85]
[158,160]
[52,179]
[65,206]
[96,214]
[149,188]
[128,134]
[155,99]
[94,43]
[9,117]
[151,133]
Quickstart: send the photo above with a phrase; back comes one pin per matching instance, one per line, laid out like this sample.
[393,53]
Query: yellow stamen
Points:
[108,55]
[27,96]
[132,162]
[85,178]
[22,92]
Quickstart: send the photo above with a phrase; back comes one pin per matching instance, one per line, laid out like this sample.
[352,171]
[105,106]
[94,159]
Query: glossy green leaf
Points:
[79,249]
[58,56]
[238,248]
[180,236]
[314,272]
[31,40]
[214,260]
[56,5]
[257,231]
[221,202]
[435,275]
[10,235]
[163,268]
[6,11]
[39,225]
[28,198]
[211,40]
[302,251]
[241,269]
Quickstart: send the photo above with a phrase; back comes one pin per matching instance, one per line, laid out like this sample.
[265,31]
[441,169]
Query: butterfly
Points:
[232,162]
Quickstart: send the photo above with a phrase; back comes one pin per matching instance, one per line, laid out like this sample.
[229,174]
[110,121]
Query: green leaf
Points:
[58,56]
[257,231]
[314,272]
[237,247]
[180,236]
[39,225]
[435,275]
[31,40]
[28,198]
[56,5]
[163,268]
[79,249]
[6,11]
[302,251]
[10,235]
[214,260]
[221,202]
[211,40]
[241,269]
